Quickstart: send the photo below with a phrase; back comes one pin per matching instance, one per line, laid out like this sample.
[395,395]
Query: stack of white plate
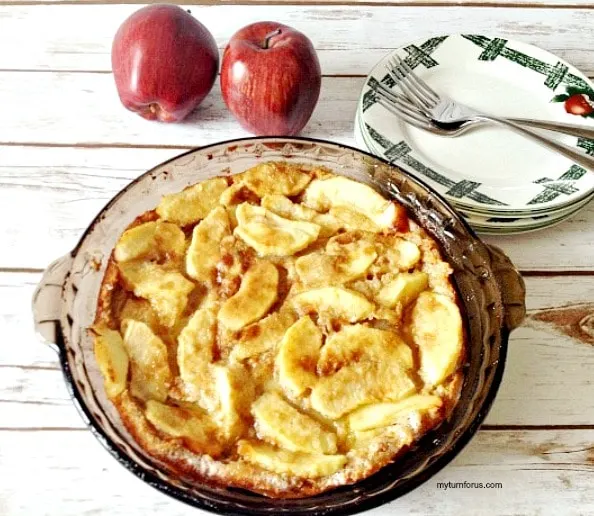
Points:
[500,181]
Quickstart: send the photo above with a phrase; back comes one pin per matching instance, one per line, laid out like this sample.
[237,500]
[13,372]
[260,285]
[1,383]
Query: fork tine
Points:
[402,106]
[408,119]
[413,119]
[416,79]
[390,94]
[401,80]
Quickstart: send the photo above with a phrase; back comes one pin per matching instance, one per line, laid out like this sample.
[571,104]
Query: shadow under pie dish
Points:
[243,303]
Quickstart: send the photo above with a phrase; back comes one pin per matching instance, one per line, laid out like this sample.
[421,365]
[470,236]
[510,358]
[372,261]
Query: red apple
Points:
[270,78]
[164,62]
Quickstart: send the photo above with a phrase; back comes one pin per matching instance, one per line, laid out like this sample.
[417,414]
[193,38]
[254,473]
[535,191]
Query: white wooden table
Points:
[67,146]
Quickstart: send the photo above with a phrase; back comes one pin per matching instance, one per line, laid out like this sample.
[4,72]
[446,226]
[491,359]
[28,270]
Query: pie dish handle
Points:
[47,301]
[511,285]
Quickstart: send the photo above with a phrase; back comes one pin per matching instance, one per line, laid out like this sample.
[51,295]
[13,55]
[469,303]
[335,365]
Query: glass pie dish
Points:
[490,290]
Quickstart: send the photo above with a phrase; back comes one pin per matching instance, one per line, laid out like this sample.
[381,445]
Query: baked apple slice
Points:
[403,289]
[257,293]
[167,290]
[340,263]
[271,235]
[436,328]
[262,336]
[297,357]
[195,353]
[361,365]
[112,360]
[335,303]
[275,178]
[151,376]
[286,208]
[341,192]
[205,248]
[192,424]
[150,240]
[284,462]
[284,425]
[379,415]
[192,204]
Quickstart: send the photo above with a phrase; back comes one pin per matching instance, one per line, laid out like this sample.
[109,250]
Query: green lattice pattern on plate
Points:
[417,55]
[402,152]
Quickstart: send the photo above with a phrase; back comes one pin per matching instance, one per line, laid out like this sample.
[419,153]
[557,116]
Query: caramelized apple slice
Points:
[436,328]
[338,191]
[398,254]
[151,376]
[112,360]
[284,462]
[354,220]
[363,365]
[275,178]
[284,207]
[297,357]
[340,263]
[257,293]
[190,423]
[403,289]
[205,249]
[358,384]
[150,240]
[234,393]
[192,204]
[139,310]
[195,353]
[378,415]
[334,302]
[236,194]
[262,336]
[360,342]
[282,424]
[271,235]
[167,290]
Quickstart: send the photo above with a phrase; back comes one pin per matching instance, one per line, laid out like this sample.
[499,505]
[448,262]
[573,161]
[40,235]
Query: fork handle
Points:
[578,157]
[571,129]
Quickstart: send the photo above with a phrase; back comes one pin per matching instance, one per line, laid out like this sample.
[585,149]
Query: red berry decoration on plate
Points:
[579,104]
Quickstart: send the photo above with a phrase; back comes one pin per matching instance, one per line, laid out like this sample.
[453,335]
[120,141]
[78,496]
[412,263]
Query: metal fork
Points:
[445,113]
[402,107]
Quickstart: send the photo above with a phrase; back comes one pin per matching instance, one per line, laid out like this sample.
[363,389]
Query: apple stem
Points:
[269,36]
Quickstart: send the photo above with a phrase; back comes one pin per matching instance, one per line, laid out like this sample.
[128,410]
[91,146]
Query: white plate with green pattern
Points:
[502,224]
[494,218]
[522,223]
[490,170]
[514,230]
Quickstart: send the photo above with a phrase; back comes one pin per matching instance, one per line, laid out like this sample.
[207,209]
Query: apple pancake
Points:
[284,330]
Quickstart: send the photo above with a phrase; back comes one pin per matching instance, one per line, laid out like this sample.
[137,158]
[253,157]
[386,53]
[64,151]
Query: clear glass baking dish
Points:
[491,291]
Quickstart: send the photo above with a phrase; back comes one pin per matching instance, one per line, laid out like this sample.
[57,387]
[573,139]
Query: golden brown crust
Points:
[374,448]
[204,470]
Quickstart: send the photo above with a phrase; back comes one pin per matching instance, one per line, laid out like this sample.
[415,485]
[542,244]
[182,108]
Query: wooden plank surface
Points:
[83,108]
[349,39]
[542,473]
[540,360]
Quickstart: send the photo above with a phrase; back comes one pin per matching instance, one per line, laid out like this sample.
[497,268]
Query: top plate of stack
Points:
[489,172]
